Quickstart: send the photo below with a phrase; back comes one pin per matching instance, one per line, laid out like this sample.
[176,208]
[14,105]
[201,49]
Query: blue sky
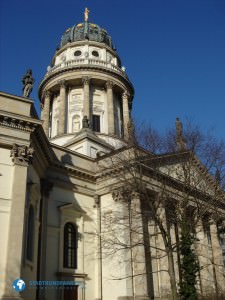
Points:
[173,51]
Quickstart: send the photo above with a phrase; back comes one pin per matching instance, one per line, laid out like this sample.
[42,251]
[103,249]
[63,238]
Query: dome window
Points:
[77,53]
[95,53]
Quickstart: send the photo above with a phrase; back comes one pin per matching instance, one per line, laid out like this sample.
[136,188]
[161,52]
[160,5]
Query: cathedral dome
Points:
[86,31]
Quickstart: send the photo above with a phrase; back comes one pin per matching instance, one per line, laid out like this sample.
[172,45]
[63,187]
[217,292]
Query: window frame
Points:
[98,129]
[70,243]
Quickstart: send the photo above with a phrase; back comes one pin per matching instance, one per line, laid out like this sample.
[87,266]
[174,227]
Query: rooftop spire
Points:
[86,13]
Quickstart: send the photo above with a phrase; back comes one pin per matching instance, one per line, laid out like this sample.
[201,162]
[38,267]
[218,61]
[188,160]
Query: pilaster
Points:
[21,156]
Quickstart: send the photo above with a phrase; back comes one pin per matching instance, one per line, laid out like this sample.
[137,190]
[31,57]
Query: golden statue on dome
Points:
[86,13]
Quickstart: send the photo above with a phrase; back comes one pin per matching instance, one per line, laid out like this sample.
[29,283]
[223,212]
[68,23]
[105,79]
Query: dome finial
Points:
[86,12]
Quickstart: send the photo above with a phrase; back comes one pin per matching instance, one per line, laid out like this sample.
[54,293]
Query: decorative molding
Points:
[22,154]
[25,125]
[62,83]
[121,195]
[57,72]
[86,80]
[109,84]
[126,95]
[47,94]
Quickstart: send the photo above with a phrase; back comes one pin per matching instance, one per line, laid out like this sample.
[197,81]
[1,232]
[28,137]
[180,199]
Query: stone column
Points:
[21,156]
[98,261]
[138,249]
[203,250]
[126,114]
[62,108]
[111,125]
[86,107]
[45,113]
[162,257]
[217,259]
[122,224]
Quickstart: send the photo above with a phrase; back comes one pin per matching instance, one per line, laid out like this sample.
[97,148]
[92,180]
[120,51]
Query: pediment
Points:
[72,209]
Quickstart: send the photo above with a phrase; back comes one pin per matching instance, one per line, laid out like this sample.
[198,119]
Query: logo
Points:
[19,285]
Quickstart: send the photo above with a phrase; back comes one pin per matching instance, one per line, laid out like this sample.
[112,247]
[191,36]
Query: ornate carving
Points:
[109,85]
[62,83]
[47,94]
[22,154]
[135,195]
[121,195]
[17,123]
[125,95]
[28,83]
[85,80]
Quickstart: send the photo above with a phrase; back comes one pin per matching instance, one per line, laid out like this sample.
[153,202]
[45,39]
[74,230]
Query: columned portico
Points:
[126,114]
[46,112]
[63,104]
[111,125]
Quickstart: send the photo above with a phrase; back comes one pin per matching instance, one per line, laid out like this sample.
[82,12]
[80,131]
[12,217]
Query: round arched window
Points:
[95,53]
[77,53]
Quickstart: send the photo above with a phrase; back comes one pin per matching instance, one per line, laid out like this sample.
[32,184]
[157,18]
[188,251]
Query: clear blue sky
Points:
[174,51]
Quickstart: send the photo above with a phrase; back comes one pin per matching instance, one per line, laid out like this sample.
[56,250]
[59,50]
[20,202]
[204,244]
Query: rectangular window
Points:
[96,123]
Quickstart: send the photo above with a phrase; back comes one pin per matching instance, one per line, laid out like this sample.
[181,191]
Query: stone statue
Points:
[179,128]
[28,83]
[85,123]
[86,12]
[179,135]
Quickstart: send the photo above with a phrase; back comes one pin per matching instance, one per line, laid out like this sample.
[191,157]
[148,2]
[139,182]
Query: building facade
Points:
[59,185]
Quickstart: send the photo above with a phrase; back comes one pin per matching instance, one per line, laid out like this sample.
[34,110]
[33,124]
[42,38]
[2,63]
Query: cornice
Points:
[74,172]
[64,70]
[15,97]
[18,122]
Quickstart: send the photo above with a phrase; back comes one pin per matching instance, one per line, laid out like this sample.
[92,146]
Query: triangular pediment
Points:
[88,143]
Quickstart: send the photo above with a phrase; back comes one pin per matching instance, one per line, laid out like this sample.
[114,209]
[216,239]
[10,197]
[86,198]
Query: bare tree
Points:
[162,187]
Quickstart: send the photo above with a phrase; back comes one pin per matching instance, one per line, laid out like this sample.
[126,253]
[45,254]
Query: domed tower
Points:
[86,96]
